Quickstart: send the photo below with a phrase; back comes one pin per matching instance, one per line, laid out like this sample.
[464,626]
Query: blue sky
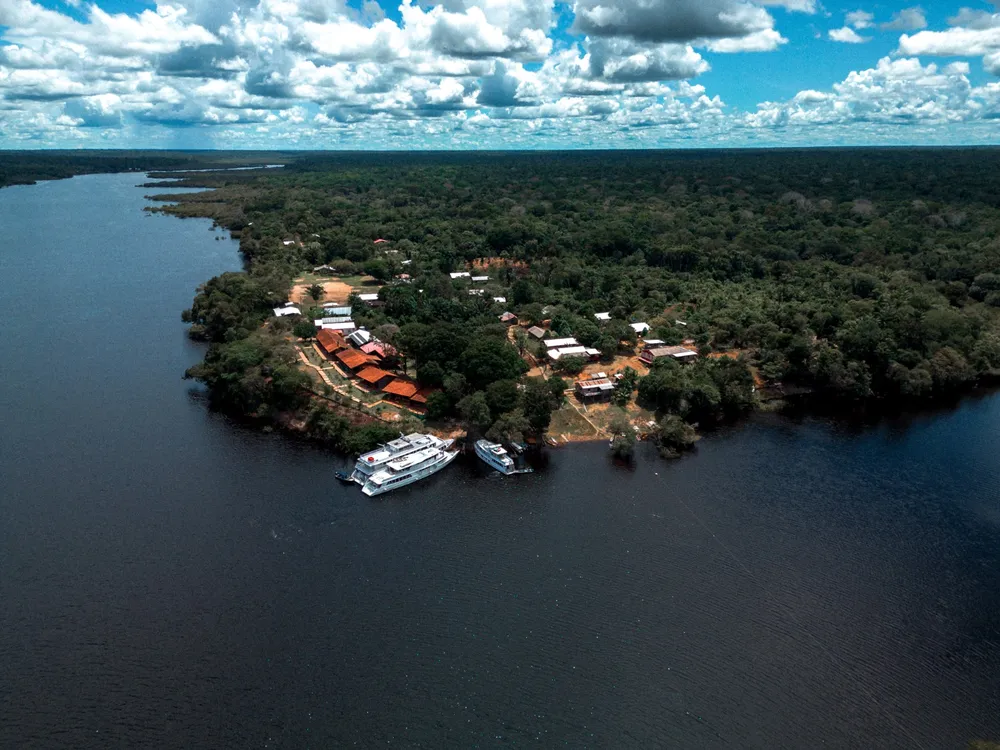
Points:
[497,73]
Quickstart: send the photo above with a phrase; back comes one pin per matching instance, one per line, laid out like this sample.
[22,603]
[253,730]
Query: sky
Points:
[497,74]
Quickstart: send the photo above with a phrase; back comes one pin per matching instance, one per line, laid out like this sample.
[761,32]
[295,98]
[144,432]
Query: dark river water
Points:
[169,579]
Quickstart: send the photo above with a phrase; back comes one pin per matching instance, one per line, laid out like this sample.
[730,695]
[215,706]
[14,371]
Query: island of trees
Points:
[864,276]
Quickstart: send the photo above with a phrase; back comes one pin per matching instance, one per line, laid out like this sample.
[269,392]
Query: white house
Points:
[480,279]
[561,343]
[460,275]
[287,310]
[640,328]
[603,317]
[368,297]
[330,324]
[500,300]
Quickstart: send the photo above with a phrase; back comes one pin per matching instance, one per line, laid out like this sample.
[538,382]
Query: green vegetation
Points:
[864,275]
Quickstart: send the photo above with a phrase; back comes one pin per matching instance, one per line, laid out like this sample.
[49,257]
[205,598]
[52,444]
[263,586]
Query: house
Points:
[286,243]
[509,318]
[380,241]
[594,389]
[640,328]
[477,292]
[379,349]
[352,359]
[328,320]
[500,300]
[360,337]
[653,343]
[480,279]
[574,351]
[330,342]
[333,324]
[375,377]
[678,353]
[460,275]
[403,277]
[603,317]
[560,343]
[370,298]
[287,310]
[536,332]
[337,312]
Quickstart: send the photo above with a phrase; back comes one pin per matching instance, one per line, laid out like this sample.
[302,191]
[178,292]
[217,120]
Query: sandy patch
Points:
[334,292]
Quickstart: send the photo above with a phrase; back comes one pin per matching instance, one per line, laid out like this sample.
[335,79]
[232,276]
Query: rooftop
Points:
[373,374]
[401,387]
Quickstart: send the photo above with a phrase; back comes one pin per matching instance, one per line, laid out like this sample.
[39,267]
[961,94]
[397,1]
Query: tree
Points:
[487,360]
[674,436]
[502,397]
[475,412]
[510,427]
[624,387]
[520,340]
[557,386]
[438,405]
[537,400]
[305,330]
[316,291]
[949,369]
[571,365]
[378,269]
[622,435]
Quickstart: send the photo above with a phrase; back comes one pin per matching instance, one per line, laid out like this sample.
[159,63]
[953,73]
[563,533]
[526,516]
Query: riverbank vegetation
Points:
[868,276]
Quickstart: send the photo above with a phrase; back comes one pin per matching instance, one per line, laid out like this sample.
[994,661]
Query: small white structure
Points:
[460,275]
[287,310]
[344,326]
[360,337]
[681,323]
[286,243]
[406,262]
[640,328]
[477,292]
[653,343]
[480,279]
[603,317]
[336,311]
[500,300]
[573,351]
[368,298]
[561,343]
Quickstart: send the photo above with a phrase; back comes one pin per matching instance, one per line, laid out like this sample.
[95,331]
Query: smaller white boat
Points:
[495,456]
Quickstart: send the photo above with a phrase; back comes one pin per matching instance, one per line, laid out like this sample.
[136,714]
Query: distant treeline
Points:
[868,275]
[28,167]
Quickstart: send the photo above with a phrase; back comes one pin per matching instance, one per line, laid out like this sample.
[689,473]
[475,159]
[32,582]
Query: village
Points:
[371,376]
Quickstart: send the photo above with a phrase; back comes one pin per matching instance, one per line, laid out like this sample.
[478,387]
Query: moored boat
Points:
[495,456]
[376,460]
[407,469]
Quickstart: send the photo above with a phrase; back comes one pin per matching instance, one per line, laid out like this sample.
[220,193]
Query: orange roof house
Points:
[401,388]
[330,341]
[374,376]
[353,359]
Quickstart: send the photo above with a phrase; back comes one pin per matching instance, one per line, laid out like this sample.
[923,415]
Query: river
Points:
[170,579]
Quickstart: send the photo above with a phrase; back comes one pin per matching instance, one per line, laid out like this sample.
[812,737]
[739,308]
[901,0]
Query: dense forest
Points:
[864,275]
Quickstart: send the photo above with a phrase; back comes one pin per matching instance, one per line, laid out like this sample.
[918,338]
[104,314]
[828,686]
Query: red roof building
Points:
[353,359]
[330,342]
[375,377]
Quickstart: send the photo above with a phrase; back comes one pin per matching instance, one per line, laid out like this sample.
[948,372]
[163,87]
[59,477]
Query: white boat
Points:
[390,458]
[407,469]
[495,456]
